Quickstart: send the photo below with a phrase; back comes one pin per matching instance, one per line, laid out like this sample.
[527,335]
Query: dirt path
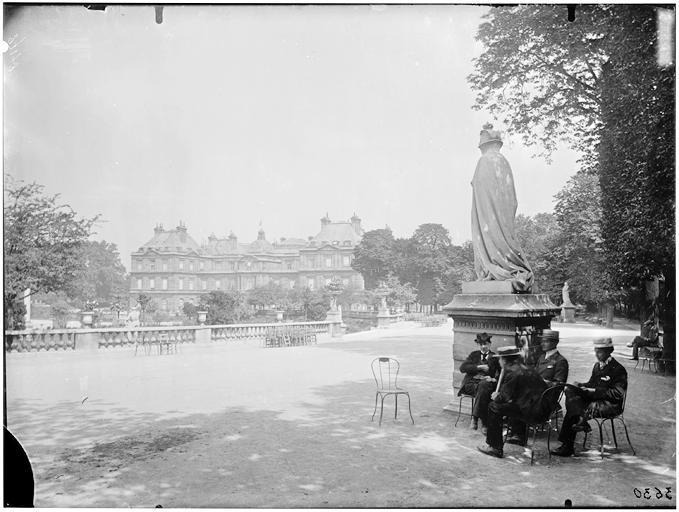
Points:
[239,426]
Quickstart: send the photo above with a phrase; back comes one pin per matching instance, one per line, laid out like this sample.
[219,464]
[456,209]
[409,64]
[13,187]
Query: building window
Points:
[139,283]
[190,284]
[164,283]
[140,267]
[152,283]
[346,261]
[164,266]
[328,262]
[181,283]
[201,265]
[181,264]
[152,265]
[203,283]
[190,266]
[163,305]
[218,284]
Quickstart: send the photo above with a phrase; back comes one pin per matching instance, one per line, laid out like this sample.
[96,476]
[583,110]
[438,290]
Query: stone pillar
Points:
[87,340]
[491,307]
[203,335]
[335,317]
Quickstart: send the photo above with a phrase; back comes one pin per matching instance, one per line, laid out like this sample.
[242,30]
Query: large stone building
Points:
[173,269]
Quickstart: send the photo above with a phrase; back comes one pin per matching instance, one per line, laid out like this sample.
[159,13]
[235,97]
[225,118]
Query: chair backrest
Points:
[549,400]
[385,370]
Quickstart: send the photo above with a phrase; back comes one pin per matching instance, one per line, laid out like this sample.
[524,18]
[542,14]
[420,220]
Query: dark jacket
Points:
[553,369]
[610,385]
[523,387]
[469,368]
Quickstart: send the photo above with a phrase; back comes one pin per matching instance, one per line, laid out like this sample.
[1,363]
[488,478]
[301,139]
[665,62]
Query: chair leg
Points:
[549,437]
[409,411]
[627,435]
[615,440]
[395,405]
[381,409]
[601,437]
[636,365]
[532,446]
[459,410]
[375,410]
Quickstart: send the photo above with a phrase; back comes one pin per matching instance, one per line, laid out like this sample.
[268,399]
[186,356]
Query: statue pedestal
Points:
[383,318]
[335,316]
[568,313]
[489,306]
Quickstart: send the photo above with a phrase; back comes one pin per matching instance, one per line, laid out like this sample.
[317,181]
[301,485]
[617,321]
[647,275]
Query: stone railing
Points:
[93,339]
[258,331]
[78,339]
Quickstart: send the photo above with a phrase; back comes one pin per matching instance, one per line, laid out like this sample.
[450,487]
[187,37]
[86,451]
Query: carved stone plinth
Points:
[383,318]
[567,313]
[505,316]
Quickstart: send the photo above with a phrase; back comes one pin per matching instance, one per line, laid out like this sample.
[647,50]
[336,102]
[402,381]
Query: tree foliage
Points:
[43,243]
[103,277]
[224,307]
[374,257]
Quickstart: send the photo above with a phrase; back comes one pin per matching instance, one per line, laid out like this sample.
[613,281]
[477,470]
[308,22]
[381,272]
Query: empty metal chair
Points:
[385,370]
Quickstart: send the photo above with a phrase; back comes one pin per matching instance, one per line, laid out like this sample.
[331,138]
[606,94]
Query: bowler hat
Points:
[508,351]
[483,338]
[548,334]
[603,343]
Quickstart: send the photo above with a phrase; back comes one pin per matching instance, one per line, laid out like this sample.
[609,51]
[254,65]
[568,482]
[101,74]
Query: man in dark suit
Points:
[601,395]
[480,371]
[518,397]
[552,367]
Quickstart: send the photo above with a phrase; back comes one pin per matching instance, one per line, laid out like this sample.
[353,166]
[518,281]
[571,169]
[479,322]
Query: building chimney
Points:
[158,229]
[181,229]
[233,241]
[325,221]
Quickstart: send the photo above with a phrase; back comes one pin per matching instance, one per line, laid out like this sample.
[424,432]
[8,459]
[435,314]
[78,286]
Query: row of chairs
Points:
[289,336]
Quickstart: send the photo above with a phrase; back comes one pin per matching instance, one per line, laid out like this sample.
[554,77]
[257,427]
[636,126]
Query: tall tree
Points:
[374,256]
[431,243]
[538,237]
[43,244]
[224,307]
[103,277]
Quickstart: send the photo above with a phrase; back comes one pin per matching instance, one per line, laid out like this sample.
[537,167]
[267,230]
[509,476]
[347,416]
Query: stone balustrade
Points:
[108,338]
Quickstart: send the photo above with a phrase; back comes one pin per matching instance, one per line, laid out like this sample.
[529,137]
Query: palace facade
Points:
[173,269]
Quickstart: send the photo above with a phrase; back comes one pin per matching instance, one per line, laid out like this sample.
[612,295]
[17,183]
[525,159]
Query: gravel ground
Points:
[235,425]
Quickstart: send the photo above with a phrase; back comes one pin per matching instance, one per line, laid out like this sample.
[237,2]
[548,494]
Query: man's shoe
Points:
[563,451]
[484,430]
[489,450]
[516,440]
[630,344]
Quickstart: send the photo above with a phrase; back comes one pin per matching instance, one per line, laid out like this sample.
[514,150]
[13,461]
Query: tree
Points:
[314,303]
[399,294]
[103,277]
[224,307]
[538,236]
[431,243]
[43,244]
[460,270]
[190,311]
[144,302]
[374,256]
[547,88]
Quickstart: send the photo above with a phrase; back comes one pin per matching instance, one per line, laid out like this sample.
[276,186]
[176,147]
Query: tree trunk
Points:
[667,314]
[609,309]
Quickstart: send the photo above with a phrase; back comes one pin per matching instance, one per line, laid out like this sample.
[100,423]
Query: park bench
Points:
[288,336]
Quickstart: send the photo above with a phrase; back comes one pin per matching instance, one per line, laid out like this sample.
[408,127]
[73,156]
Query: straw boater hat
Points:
[483,338]
[547,334]
[508,351]
[603,343]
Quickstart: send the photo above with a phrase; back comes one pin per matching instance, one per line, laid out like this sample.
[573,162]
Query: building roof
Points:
[173,240]
[337,231]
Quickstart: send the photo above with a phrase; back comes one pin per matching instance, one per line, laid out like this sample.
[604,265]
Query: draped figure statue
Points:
[497,255]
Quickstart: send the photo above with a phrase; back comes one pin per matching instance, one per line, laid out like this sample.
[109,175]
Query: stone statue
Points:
[497,255]
[565,296]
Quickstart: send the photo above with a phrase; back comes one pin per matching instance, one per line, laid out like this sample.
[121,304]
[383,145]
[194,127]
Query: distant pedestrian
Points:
[649,338]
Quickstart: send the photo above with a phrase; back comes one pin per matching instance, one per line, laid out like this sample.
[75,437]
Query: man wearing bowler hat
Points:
[480,373]
[601,395]
[518,396]
[552,367]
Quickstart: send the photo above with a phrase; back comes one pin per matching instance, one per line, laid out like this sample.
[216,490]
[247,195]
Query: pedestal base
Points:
[505,316]
[567,314]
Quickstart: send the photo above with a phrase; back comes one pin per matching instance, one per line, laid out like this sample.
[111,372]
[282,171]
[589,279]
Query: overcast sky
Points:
[223,116]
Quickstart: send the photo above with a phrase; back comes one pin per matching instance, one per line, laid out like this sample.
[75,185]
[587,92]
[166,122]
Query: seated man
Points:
[517,398]
[601,395]
[552,367]
[480,371]
[649,338]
